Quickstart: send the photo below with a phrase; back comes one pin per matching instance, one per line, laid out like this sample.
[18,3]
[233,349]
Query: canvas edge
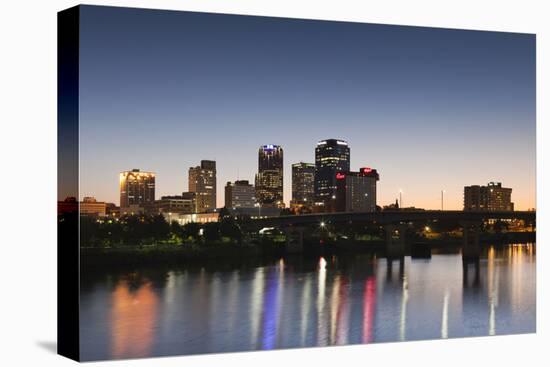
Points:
[68,264]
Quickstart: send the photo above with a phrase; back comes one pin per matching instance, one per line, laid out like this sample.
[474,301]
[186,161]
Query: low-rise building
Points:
[257,212]
[183,219]
[185,203]
[240,194]
[90,206]
[112,210]
[134,209]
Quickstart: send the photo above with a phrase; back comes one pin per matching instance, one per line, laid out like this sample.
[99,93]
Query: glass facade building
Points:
[303,178]
[137,189]
[269,179]
[202,181]
[331,156]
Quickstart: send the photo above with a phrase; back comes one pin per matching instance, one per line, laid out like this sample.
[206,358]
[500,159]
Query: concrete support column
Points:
[294,239]
[470,273]
[470,240]
[395,239]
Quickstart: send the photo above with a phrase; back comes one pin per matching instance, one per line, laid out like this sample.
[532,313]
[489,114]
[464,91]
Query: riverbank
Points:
[199,253]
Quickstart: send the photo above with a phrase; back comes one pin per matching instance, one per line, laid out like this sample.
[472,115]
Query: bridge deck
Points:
[396,216]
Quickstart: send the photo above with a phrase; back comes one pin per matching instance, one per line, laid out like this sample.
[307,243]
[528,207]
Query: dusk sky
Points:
[430,109]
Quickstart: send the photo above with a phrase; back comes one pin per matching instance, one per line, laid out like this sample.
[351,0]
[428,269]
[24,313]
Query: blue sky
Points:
[429,108]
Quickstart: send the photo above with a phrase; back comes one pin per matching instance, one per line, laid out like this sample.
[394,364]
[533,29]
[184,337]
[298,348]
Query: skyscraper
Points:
[240,194]
[331,156]
[137,189]
[303,177]
[202,181]
[269,180]
[492,197]
[356,191]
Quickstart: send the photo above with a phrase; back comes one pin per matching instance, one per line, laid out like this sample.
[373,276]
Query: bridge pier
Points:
[294,239]
[466,273]
[389,268]
[470,240]
[395,240]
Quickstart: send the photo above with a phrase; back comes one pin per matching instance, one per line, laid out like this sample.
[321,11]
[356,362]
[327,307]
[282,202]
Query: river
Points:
[305,302]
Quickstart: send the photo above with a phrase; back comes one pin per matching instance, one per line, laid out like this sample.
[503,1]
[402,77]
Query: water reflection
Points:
[369,304]
[322,331]
[307,302]
[306,306]
[272,299]
[445,316]
[256,302]
[403,318]
[133,317]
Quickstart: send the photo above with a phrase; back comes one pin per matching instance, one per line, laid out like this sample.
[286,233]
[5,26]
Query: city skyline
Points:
[315,183]
[432,111]
[345,173]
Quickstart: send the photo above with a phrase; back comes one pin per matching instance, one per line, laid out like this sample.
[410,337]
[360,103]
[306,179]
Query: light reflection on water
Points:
[306,302]
[133,318]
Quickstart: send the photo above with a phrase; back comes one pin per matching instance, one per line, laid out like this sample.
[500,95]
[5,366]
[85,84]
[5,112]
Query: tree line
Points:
[142,229]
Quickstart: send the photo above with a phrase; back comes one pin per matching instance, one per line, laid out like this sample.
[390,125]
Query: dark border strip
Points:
[68,341]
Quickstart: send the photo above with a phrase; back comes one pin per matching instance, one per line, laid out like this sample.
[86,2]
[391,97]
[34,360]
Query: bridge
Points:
[394,217]
[395,223]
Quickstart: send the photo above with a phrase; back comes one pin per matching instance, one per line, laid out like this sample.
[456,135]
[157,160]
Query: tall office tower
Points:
[269,179]
[492,197]
[202,181]
[137,189]
[240,194]
[331,156]
[356,191]
[303,194]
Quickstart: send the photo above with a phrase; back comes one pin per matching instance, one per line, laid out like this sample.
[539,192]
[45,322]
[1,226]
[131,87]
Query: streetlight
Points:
[400,199]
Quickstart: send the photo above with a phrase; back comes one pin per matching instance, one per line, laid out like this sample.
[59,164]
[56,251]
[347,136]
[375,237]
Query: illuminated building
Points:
[186,203]
[90,206]
[202,181]
[256,212]
[240,194]
[183,219]
[269,180]
[303,194]
[331,156]
[356,191]
[137,189]
[492,197]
